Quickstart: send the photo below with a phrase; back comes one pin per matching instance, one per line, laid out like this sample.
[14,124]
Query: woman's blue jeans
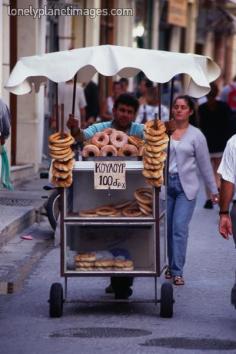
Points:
[179,214]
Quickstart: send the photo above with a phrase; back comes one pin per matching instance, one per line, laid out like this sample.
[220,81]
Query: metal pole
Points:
[74,95]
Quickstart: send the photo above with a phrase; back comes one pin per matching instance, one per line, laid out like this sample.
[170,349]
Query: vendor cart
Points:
[141,239]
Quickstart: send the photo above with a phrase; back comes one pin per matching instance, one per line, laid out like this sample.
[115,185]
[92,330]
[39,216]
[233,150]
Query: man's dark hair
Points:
[128,100]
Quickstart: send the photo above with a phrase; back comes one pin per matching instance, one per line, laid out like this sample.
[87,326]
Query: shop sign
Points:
[109,175]
[177,12]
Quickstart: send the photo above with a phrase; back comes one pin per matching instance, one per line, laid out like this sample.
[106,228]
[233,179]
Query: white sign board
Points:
[109,175]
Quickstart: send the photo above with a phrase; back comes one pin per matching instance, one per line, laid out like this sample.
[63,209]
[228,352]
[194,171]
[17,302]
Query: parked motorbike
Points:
[52,203]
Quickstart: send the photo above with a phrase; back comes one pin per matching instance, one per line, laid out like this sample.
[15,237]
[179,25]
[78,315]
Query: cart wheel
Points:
[56,300]
[166,307]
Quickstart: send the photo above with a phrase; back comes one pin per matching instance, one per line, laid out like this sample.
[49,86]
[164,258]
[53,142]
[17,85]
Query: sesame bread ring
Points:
[122,205]
[90,151]
[66,158]
[151,123]
[131,211]
[155,182]
[108,131]
[160,157]
[64,144]
[155,149]
[155,132]
[108,150]
[151,138]
[56,148]
[152,167]
[84,269]
[154,125]
[118,139]
[164,140]
[128,150]
[152,174]
[119,263]
[57,139]
[88,213]
[84,264]
[154,155]
[117,213]
[141,150]
[86,257]
[143,195]
[64,166]
[134,140]
[60,174]
[63,183]
[63,155]
[87,142]
[60,152]
[145,209]
[100,139]
[105,210]
[104,263]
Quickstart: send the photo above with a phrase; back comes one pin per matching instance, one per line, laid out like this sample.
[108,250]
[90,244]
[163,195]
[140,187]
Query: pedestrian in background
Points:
[4,134]
[228,95]
[188,154]
[142,90]
[150,109]
[65,96]
[124,84]
[92,100]
[214,121]
[107,106]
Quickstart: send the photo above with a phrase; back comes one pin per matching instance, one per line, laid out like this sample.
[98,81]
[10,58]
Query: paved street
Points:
[204,320]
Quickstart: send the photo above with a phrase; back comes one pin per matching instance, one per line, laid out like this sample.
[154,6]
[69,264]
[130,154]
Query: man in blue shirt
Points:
[124,113]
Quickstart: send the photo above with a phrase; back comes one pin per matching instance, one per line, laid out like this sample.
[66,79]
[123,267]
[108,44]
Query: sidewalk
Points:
[21,215]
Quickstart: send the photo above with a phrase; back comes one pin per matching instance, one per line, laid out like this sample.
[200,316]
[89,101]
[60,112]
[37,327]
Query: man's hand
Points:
[225,226]
[170,126]
[72,123]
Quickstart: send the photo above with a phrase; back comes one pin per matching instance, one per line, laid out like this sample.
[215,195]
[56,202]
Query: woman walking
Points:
[188,153]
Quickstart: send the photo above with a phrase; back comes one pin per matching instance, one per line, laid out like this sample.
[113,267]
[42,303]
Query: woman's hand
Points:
[215,198]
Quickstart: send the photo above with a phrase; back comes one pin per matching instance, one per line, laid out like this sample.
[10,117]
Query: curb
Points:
[17,226]
[18,257]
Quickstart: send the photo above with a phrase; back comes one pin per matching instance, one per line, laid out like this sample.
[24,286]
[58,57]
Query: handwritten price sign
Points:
[109,175]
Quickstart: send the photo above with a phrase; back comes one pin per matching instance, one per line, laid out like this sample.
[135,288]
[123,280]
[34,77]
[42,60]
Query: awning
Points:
[108,60]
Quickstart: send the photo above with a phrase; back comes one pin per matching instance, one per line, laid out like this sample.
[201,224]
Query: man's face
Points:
[124,115]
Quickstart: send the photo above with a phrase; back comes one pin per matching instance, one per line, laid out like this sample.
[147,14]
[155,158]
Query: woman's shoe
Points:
[168,274]
[178,280]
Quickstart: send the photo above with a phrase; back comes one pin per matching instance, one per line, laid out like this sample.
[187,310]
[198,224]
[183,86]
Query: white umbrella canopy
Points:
[109,60]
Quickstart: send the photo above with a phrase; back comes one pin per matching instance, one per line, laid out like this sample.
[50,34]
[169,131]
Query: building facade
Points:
[204,27]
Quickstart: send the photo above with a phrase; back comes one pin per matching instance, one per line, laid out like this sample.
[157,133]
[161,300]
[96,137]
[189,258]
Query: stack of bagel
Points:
[154,156]
[63,158]
[89,261]
[112,142]
[140,206]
